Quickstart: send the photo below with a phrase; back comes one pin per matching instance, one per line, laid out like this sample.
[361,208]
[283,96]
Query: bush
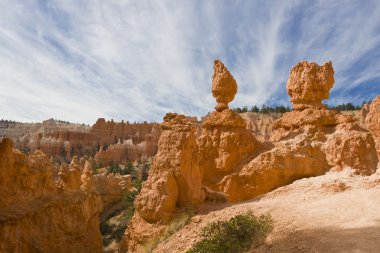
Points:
[238,234]
[128,199]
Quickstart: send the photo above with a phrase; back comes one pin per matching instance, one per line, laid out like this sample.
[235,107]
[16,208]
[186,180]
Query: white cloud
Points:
[136,60]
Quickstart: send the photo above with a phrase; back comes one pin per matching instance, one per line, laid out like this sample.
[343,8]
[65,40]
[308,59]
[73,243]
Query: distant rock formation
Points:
[261,125]
[372,121]
[39,215]
[62,140]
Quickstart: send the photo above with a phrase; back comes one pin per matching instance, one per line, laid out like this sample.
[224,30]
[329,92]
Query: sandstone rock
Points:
[62,140]
[69,178]
[174,180]
[287,162]
[224,140]
[372,121]
[363,114]
[227,163]
[115,153]
[261,125]
[307,141]
[224,86]
[111,188]
[309,84]
[351,146]
[223,144]
[296,122]
[37,216]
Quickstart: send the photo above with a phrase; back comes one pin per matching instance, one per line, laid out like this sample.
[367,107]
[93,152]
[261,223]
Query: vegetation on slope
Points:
[113,229]
[236,235]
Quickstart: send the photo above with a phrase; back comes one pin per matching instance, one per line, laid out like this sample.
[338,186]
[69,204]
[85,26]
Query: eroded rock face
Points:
[223,144]
[111,188]
[36,215]
[287,162]
[175,177]
[224,86]
[351,146]
[309,84]
[372,121]
[174,181]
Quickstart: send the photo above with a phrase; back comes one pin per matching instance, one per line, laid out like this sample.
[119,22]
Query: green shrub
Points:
[128,199]
[238,234]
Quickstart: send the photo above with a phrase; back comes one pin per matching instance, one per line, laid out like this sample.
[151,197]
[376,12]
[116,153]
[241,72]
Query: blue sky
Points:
[78,60]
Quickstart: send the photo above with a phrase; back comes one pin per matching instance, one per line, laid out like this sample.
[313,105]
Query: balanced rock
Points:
[307,141]
[224,86]
[225,141]
[309,84]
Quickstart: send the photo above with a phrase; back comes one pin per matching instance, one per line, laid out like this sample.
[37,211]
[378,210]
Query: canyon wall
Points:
[40,215]
[61,141]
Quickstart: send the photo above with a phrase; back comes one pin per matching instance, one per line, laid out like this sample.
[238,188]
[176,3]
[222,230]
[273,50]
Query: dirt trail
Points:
[337,212]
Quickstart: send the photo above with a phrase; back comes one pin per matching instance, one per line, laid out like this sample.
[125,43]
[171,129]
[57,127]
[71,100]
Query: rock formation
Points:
[224,140]
[174,181]
[227,163]
[62,140]
[307,141]
[111,188]
[36,215]
[351,146]
[309,84]
[372,121]
[224,86]
[261,125]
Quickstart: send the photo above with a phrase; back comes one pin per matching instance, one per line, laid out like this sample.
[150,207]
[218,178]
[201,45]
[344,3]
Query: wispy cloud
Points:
[79,60]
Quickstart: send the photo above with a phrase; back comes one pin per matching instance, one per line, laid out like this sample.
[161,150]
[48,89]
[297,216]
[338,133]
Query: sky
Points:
[78,60]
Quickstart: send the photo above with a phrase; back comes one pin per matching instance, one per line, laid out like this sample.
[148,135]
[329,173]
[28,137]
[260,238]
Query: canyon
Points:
[288,164]
[228,163]
[107,141]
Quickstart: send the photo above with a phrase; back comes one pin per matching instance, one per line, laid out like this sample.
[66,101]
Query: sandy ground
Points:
[336,212]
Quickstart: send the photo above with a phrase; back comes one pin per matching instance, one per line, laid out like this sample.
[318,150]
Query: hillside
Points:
[336,212]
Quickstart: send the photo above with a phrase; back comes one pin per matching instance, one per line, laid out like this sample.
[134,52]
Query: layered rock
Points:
[62,140]
[37,215]
[372,121]
[307,141]
[174,181]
